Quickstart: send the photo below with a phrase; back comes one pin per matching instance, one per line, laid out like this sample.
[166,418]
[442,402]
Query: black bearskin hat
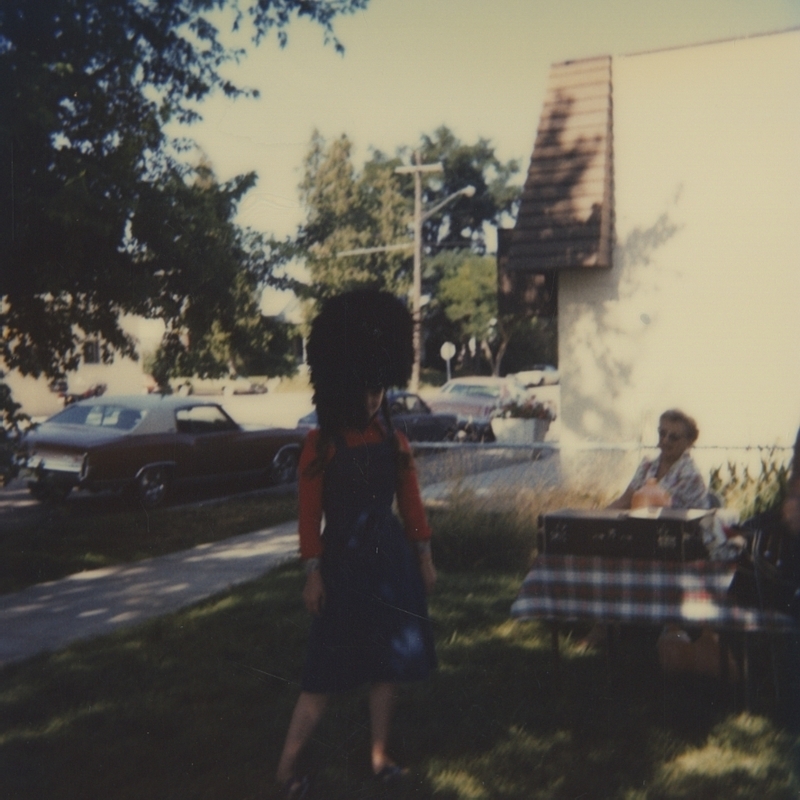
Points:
[360,339]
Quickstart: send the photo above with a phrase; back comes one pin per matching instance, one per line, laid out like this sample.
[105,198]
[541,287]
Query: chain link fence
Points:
[500,476]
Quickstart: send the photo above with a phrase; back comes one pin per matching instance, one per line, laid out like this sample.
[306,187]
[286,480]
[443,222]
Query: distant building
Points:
[124,375]
[663,203]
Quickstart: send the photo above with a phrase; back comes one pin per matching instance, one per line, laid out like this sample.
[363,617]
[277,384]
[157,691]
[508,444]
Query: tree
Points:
[461,225]
[346,210]
[238,340]
[349,209]
[468,296]
[85,90]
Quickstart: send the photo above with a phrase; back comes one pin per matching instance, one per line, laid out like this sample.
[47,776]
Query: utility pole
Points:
[416,292]
[417,168]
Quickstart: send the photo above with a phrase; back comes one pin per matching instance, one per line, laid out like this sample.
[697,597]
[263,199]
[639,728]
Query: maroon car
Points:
[148,443]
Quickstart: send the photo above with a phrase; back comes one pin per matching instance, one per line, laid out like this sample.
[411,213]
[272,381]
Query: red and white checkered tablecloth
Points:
[573,588]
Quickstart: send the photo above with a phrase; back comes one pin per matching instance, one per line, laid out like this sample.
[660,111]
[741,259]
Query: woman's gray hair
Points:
[690,426]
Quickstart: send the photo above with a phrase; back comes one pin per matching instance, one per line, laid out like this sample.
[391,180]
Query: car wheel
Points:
[49,492]
[284,466]
[467,433]
[152,486]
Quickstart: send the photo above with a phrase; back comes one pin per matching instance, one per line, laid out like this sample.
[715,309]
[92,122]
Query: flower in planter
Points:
[529,409]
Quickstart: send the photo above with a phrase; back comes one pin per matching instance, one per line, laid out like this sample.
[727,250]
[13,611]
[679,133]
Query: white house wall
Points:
[123,376]
[700,309]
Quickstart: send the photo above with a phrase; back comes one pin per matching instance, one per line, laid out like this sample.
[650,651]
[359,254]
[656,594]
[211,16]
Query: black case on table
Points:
[669,534]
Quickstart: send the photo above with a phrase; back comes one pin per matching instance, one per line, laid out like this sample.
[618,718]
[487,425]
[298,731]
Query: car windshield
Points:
[472,389]
[100,416]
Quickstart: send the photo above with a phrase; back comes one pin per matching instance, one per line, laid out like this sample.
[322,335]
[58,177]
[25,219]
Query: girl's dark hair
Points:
[359,340]
[326,435]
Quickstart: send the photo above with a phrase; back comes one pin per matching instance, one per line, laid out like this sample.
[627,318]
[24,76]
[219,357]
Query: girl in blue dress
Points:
[367,575]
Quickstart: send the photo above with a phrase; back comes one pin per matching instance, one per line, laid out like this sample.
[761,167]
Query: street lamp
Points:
[419,218]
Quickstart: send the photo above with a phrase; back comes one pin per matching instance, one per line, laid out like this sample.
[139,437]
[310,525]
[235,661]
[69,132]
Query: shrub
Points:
[747,494]
[498,531]
[529,409]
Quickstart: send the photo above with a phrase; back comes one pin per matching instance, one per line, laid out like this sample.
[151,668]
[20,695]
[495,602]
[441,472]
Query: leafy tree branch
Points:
[97,207]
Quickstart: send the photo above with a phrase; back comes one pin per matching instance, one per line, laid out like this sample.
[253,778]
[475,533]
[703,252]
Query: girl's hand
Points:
[314,592]
[428,571]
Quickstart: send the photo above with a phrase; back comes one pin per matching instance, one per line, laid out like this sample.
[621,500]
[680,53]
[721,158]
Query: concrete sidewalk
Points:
[50,616]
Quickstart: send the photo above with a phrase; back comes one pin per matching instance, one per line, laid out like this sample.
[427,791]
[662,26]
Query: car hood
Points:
[78,436]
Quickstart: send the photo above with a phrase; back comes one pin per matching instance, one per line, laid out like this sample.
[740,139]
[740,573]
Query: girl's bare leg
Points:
[381,706]
[306,715]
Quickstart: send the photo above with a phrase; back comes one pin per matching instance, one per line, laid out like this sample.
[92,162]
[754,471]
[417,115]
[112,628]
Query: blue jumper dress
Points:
[374,625]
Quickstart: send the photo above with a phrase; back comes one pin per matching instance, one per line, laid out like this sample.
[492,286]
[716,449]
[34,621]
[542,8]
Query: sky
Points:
[478,66]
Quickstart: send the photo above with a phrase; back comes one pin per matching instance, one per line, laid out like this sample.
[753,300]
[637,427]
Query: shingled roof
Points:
[566,213]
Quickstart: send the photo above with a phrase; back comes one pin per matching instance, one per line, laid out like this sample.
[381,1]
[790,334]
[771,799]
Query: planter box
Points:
[519,431]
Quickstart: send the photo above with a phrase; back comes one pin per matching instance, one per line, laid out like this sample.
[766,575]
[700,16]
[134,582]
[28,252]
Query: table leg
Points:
[555,651]
[747,682]
[734,649]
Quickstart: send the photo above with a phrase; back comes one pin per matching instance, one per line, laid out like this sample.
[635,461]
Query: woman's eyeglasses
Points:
[670,436]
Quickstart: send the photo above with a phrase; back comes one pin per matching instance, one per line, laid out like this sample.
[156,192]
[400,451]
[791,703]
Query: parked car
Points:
[411,415]
[538,375]
[238,385]
[148,443]
[95,390]
[474,401]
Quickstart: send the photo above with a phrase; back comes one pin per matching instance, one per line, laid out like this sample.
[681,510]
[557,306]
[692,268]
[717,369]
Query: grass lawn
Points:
[195,705]
[72,537]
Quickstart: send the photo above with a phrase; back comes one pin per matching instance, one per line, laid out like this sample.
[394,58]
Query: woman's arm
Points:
[637,481]
[624,500]
[309,490]
[314,591]
[426,565]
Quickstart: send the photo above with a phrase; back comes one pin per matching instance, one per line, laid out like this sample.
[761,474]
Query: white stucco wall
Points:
[123,376]
[700,309]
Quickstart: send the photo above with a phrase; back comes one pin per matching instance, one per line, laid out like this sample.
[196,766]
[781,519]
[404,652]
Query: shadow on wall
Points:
[560,218]
[602,339]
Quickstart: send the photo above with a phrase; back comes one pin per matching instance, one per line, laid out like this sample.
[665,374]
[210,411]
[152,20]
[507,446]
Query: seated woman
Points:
[674,469]
[675,474]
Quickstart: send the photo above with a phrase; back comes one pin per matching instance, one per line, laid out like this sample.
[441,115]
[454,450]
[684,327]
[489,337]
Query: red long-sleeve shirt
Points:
[409,501]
